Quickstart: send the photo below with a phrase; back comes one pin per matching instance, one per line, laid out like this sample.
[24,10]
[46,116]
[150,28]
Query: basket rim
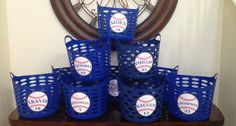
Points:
[214,78]
[13,76]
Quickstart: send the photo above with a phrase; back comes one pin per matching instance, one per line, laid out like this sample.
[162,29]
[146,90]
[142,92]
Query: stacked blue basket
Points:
[117,23]
[86,83]
[113,88]
[138,60]
[141,82]
[36,96]
[85,100]
[89,60]
[141,100]
[191,96]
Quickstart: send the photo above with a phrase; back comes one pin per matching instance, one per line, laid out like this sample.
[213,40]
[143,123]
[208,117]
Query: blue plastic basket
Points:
[135,95]
[89,60]
[117,23]
[37,96]
[138,60]
[191,96]
[165,72]
[60,72]
[85,100]
[113,88]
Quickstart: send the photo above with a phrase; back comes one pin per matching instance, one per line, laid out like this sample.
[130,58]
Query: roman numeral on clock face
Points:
[93,21]
[150,6]
[77,6]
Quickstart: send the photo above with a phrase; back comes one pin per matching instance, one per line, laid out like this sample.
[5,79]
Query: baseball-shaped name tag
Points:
[83,66]
[80,102]
[113,88]
[37,101]
[188,103]
[118,22]
[146,105]
[144,62]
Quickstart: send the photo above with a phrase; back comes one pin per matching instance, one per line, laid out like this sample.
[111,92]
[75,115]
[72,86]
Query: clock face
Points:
[79,17]
[87,9]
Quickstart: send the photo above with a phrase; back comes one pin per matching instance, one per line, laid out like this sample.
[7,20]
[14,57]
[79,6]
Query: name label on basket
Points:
[83,66]
[188,103]
[37,101]
[80,102]
[146,105]
[118,22]
[144,62]
[113,88]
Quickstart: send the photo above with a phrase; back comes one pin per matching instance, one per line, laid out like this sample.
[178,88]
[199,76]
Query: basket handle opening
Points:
[12,75]
[68,39]
[177,67]
[52,67]
[216,76]
[158,37]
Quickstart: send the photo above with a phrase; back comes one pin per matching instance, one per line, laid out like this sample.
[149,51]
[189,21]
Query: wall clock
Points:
[79,17]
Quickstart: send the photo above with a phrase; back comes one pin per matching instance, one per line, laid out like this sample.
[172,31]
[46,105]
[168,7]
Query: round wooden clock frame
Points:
[157,20]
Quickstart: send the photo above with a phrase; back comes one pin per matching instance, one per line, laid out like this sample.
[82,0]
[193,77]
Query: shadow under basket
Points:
[191,96]
[89,60]
[113,88]
[141,101]
[85,100]
[138,60]
[37,96]
[117,23]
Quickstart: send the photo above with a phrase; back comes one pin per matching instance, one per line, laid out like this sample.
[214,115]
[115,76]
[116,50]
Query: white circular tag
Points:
[188,103]
[83,66]
[118,22]
[37,101]
[80,102]
[146,105]
[113,88]
[144,62]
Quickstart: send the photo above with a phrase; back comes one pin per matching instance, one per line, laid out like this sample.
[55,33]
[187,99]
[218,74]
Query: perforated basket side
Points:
[105,31]
[200,87]
[24,86]
[60,72]
[165,72]
[97,94]
[96,52]
[131,91]
[128,54]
